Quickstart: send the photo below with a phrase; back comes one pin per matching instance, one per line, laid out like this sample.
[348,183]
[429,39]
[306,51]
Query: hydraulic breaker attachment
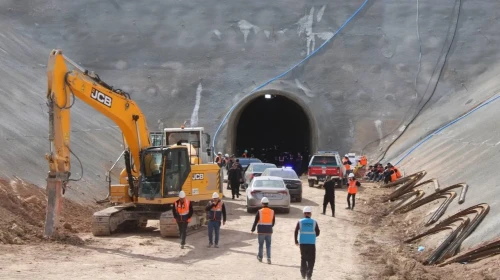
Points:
[54,192]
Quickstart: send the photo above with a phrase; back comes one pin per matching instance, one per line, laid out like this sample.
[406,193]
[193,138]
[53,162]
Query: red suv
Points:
[324,164]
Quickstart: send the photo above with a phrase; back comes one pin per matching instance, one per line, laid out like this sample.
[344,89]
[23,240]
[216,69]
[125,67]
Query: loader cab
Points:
[164,171]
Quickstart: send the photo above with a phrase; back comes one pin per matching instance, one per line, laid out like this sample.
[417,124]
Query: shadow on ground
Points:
[229,240]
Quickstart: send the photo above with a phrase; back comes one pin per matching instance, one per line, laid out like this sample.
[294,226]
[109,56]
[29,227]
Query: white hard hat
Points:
[215,195]
[264,200]
[351,175]
[182,194]
[226,155]
[307,209]
[219,153]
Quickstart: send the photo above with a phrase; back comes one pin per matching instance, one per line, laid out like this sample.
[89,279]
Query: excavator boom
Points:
[64,87]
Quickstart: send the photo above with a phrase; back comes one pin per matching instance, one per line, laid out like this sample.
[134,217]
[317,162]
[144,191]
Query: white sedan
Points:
[271,187]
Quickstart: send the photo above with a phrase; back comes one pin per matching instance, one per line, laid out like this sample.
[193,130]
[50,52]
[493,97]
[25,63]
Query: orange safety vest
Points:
[183,210]
[265,224]
[396,175]
[363,161]
[352,189]
[347,166]
[216,212]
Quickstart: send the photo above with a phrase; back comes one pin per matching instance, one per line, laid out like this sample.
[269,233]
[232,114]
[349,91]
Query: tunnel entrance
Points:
[273,127]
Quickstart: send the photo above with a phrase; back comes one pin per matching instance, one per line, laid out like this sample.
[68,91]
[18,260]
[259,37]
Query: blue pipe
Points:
[286,72]
[487,102]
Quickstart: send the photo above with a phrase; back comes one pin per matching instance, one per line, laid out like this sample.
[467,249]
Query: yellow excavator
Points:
[153,175]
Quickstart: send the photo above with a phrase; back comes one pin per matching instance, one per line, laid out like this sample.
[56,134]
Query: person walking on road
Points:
[182,210]
[307,230]
[352,190]
[234,178]
[216,212]
[264,221]
[329,195]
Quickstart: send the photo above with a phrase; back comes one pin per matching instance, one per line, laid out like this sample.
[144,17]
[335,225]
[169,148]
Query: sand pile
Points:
[22,214]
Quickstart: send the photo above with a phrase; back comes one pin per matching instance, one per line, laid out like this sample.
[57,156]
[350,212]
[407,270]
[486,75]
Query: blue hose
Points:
[491,100]
[287,71]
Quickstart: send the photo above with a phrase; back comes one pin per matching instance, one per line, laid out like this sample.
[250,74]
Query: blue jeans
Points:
[267,239]
[213,226]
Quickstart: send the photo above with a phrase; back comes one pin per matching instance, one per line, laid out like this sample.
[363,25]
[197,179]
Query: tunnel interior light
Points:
[267,96]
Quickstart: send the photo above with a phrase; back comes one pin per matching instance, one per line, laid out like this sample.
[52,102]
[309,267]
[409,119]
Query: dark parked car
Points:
[292,181]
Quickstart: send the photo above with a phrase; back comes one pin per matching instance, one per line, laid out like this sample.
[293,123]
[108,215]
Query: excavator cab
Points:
[163,172]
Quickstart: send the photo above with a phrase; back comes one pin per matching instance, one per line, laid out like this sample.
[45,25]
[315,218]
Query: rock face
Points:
[193,60]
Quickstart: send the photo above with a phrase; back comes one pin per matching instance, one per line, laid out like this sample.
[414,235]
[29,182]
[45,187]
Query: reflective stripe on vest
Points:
[183,211]
[352,189]
[307,231]
[265,224]
[215,212]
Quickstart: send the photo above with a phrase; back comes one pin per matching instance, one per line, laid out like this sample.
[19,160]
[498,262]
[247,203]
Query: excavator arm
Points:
[64,87]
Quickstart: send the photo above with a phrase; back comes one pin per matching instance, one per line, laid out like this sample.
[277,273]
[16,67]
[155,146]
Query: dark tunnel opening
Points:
[274,126]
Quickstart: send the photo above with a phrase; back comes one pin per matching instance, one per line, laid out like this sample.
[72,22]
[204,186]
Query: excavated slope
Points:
[367,83]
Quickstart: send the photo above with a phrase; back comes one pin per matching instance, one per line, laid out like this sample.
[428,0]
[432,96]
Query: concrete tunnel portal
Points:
[272,123]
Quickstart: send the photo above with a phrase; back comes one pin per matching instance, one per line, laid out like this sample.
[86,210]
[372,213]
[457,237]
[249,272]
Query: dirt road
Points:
[146,255]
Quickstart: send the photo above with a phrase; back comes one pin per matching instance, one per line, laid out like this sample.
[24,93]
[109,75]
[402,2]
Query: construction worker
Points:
[182,210]
[347,164]
[245,154]
[264,221]
[329,195]
[363,161]
[218,159]
[216,212]
[352,190]
[395,174]
[307,230]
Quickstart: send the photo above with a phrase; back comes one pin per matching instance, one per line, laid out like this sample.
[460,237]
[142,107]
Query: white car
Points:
[253,170]
[271,187]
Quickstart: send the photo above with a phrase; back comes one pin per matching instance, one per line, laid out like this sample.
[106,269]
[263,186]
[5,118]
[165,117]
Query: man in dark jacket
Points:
[182,211]
[329,195]
[216,212]
[234,178]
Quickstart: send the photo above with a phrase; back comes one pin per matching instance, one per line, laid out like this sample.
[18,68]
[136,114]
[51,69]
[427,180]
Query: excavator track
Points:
[112,219]
[106,221]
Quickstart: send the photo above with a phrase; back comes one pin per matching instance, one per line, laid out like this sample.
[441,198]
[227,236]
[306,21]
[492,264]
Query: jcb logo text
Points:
[101,97]
[198,176]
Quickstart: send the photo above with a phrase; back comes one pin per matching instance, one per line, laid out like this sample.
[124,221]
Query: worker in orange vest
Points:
[352,190]
[216,213]
[395,174]
[347,165]
[264,221]
[182,210]
[363,161]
